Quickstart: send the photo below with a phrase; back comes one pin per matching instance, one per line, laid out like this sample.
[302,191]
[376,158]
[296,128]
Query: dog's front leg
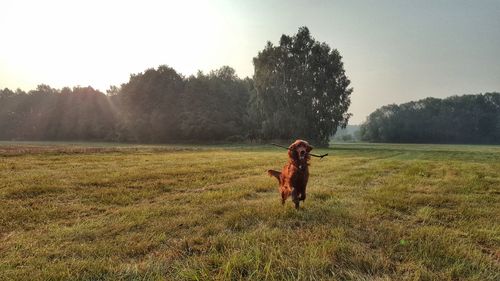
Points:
[295,198]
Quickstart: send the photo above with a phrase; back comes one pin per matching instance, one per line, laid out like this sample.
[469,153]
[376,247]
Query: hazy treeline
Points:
[457,119]
[299,90]
[51,114]
[158,105]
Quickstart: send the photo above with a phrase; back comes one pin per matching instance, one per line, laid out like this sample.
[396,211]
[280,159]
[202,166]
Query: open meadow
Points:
[124,212]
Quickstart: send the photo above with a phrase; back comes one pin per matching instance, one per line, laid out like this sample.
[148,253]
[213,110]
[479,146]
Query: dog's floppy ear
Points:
[309,147]
[291,150]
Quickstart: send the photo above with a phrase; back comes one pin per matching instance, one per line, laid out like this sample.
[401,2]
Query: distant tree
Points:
[151,104]
[350,133]
[457,119]
[113,91]
[6,94]
[301,89]
[11,112]
[33,112]
[347,137]
[214,106]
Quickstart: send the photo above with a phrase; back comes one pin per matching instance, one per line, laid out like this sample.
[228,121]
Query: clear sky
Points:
[393,51]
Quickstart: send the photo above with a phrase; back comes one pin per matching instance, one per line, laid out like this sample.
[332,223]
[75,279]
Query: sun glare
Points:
[100,43]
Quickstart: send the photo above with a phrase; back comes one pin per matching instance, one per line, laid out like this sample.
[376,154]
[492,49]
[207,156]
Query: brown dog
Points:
[294,175]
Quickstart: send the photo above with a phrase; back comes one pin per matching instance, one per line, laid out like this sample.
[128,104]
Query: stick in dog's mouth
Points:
[312,154]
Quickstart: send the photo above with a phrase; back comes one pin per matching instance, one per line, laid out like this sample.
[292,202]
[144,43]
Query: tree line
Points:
[80,113]
[299,90]
[158,105]
[456,119]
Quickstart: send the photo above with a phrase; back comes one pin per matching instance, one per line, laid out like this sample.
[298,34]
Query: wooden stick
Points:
[312,154]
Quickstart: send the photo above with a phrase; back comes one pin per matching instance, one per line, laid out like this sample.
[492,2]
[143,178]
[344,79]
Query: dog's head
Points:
[299,150]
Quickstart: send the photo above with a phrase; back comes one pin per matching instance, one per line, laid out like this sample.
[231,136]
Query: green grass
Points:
[122,212]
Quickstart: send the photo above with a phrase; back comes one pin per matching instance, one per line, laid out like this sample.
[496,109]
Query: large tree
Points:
[302,90]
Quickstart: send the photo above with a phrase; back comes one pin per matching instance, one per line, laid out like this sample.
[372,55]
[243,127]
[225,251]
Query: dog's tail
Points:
[275,174]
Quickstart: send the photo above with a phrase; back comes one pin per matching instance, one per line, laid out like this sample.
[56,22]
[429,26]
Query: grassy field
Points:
[374,212]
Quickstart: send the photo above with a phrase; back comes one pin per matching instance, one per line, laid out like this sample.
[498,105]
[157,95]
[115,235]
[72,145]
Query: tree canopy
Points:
[301,89]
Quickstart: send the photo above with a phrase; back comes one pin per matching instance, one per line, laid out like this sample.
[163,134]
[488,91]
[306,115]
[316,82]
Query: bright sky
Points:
[393,51]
